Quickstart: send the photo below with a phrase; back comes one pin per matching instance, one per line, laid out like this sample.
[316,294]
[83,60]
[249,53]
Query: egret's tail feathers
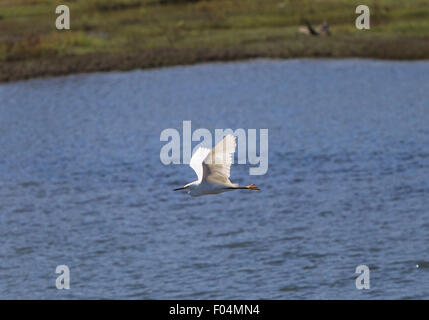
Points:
[252,187]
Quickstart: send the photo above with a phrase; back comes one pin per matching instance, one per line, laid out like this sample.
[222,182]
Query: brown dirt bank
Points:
[334,47]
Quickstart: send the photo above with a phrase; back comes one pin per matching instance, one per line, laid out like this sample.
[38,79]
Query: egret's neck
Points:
[192,184]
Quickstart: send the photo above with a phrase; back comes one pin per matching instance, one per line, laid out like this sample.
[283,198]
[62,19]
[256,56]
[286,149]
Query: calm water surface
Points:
[81,183]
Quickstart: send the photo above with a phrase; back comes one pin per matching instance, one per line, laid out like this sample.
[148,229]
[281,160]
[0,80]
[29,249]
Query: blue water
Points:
[82,184]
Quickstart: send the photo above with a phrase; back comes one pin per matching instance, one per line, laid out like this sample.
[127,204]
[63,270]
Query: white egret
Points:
[213,169]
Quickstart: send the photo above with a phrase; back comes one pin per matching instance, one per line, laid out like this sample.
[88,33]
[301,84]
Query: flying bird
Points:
[213,169]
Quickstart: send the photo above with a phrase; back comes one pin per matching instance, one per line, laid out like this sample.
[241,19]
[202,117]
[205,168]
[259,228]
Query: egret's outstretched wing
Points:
[217,164]
[197,159]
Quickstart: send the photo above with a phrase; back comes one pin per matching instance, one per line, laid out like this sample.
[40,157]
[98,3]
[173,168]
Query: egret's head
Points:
[187,187]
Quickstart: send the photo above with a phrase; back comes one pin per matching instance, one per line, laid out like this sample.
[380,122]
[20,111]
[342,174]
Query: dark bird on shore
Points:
[309,30]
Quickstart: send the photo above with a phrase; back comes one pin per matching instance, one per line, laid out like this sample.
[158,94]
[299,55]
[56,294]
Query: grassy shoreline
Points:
[122,35]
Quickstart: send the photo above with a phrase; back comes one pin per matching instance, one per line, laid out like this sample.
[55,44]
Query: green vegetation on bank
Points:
[126,34]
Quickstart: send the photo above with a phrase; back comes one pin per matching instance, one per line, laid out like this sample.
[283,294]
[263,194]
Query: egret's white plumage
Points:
[213,169]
